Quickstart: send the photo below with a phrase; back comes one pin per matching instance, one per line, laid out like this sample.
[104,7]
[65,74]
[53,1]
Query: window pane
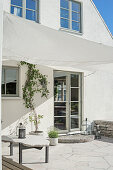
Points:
[60,109]
[60,123]
[16,11]
[31,4]
[30,15]
[64,4]
[3,82]
[64,13]
[74,80]
[74,123]
[75,16]
[74,94]
[11,81]
[16,2]
[74,108]
[76,6]
[76,26]
[64,23]
[60,88]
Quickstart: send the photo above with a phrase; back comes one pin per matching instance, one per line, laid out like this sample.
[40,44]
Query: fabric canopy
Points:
[35,43]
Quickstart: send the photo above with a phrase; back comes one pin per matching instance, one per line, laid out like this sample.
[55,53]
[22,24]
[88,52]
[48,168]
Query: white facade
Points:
[97,86]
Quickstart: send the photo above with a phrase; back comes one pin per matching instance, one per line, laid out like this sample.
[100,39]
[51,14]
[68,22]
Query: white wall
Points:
[98,96]
[14,111]
[93,27]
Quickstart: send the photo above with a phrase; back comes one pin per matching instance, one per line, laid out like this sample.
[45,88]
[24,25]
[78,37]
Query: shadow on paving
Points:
[105,139]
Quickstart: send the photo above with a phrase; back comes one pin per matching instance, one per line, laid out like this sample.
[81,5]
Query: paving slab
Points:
[93,155]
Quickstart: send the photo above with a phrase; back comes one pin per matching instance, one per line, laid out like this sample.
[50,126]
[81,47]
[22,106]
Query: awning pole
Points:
[1,39]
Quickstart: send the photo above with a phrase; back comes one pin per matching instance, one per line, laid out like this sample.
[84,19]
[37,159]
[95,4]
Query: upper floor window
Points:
[70,15]
[25,8]
[10,81]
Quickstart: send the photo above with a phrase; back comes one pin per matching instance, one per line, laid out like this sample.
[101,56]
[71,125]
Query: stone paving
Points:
[94,155]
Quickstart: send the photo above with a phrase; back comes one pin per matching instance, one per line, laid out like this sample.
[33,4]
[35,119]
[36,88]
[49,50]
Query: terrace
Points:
[93,155]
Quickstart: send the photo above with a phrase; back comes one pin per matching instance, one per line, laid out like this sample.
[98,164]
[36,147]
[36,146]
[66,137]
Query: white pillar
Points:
[1,39]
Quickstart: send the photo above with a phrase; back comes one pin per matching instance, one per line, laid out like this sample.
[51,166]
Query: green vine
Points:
[35,82]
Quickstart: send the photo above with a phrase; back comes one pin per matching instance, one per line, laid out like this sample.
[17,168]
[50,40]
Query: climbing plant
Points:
[35,82]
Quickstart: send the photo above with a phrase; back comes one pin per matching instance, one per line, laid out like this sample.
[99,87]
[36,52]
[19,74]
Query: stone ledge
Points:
[78,138]
[106,127]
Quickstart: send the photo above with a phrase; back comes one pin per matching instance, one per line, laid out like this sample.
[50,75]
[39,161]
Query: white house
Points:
[77,92]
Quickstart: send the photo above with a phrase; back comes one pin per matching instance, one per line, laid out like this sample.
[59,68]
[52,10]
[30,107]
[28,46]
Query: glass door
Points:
[67,101]
[75,89]
[60,101]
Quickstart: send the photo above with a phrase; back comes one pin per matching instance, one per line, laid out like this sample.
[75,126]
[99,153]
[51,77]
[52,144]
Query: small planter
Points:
[53,141]
[38,132]
[53,138]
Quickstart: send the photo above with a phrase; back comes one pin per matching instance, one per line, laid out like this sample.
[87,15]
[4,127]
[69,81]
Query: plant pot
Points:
[53,141]
[38,132]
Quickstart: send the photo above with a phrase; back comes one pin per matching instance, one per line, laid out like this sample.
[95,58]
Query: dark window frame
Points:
[17,83]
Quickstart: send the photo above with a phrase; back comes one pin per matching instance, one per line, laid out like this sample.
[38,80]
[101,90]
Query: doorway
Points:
[67,101]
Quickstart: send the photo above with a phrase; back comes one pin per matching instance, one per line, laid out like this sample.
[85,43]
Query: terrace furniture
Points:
[31,141]
[9,164]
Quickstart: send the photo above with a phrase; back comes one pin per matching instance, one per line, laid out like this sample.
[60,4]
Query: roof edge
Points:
[101,18]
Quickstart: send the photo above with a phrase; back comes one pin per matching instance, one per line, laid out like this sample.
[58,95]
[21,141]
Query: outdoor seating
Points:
[31,141]
[8,164]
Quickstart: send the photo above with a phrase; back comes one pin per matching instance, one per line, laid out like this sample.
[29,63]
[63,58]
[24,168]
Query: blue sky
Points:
[105,7]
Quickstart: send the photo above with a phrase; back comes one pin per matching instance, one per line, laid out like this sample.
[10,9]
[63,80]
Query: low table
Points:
[31,141]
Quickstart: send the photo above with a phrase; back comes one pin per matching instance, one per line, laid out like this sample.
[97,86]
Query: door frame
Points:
[68,95]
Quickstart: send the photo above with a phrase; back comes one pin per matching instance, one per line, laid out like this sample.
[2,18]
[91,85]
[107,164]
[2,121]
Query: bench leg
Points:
[47,154]
[20,153]
[11,148]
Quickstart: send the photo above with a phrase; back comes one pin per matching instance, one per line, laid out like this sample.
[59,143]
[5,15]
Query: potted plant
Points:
[53,137]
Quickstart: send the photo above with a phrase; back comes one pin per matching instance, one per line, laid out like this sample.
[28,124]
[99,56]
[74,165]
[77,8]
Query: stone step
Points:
[78,138]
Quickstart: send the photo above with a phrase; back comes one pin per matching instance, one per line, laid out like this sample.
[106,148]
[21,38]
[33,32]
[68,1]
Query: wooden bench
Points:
[9,164]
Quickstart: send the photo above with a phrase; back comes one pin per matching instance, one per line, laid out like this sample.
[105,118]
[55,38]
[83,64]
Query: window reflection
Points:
[25,8]
[74,94]
[74,123]
[74,80]
[70,14]
[60,123]
[74,108]
[16,11]
[9,81]
[60,108]
[60,88]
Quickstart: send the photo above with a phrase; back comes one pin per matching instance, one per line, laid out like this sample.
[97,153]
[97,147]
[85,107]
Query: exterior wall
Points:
[6,5]
[98,96]
[14,111]
[94,28]
[92,24]
[97,100]
[97,91]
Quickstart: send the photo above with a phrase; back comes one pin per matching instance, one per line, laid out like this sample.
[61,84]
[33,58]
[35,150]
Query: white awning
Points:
[35,43]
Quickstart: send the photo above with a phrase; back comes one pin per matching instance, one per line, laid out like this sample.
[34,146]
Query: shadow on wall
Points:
[14,111]
[46,109]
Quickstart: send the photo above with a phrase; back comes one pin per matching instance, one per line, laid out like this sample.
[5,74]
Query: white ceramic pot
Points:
[53,141]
